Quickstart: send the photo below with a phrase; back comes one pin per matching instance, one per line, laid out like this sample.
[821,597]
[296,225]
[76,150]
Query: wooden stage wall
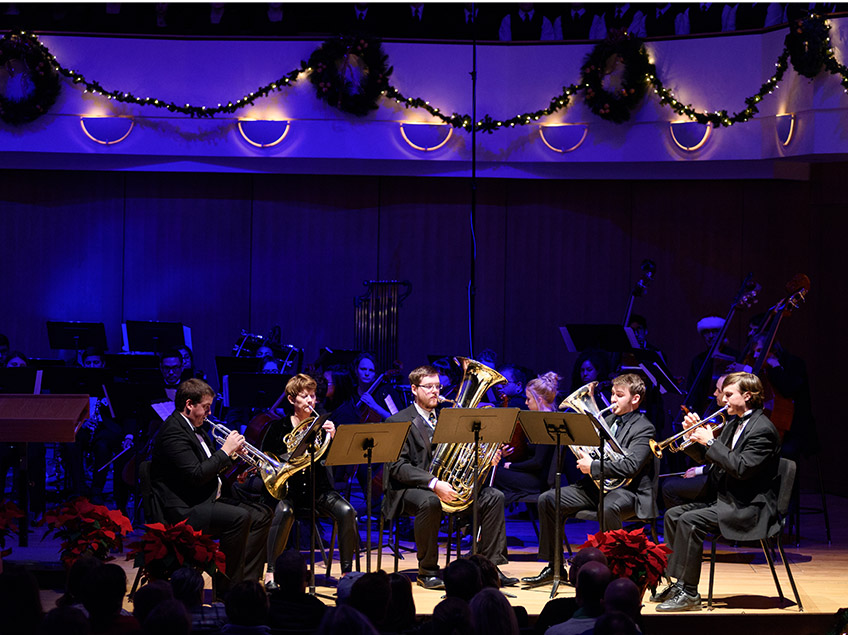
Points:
[224,252]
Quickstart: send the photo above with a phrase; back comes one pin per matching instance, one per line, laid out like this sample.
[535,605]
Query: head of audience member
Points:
[65,620]
[623,595]
[149,597]
[345,585]
[616,623]
[194,400]
[15,359]
[541,392]
[489,577]
[4,345]
[628,391]
[364,369]
[290,573]
[452,616]
[370,595]
[591,365]
[462,579]
[515,381]
[345,619]
[187,358]
[492,614]
[300,393]
[247,604]
[709,328]
[425,385]
[171,367]
[639,325]
[401,614]
[103,594]
[168,618]
[587,554]
[76,579]
[187,586]
[592,581]
[93,357]
[20,600]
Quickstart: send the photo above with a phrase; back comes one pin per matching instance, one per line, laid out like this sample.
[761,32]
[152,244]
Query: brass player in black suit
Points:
[744,477]
[411,489]
[185,482]
[633,433]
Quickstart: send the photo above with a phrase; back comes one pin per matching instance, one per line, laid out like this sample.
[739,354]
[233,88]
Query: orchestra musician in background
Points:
[744,477]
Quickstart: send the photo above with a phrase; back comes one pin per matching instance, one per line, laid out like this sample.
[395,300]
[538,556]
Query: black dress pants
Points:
[686,528]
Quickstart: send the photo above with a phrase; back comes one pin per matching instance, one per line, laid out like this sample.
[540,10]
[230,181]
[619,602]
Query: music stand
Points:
[154,337]
[229,365]
[76,336]
[475,425]
[21,380]
[560,429]
[612,338]
[380,442]
[653,366]
[253,390]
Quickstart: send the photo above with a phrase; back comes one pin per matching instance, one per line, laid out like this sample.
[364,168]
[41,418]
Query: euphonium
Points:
[582,400]
[453,462]
[275,471]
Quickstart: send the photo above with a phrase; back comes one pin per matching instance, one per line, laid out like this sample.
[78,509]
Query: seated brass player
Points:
[743,479]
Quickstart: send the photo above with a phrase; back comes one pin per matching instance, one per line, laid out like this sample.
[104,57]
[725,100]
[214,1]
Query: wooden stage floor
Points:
[744,588]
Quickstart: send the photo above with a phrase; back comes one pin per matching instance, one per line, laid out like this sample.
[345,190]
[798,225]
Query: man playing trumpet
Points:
[744,480]
[185,482]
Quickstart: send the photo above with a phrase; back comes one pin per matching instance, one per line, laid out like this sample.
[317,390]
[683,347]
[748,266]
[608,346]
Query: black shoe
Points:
[431,582]
[546,575]
[681,601]
[665,594]
[506,580]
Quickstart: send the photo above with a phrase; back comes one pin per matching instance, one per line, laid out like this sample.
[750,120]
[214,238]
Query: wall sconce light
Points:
[564,137]
[107,131]
[263,133]
[690,135]
[785,128]
[425,137]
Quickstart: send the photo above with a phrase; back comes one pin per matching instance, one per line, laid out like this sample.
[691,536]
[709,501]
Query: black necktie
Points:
[417,14]
[616,425]
[526,18]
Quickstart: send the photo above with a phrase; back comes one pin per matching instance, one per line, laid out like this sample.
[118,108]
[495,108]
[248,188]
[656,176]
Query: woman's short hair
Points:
[300,383]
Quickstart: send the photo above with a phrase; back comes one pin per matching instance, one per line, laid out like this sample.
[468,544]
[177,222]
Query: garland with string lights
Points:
[350,73]
[38,80]
[629,52]
[624,54]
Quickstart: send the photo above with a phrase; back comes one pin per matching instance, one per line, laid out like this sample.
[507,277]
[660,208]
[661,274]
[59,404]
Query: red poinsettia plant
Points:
[631,555]
[165,548]
[86,528]
[9,514]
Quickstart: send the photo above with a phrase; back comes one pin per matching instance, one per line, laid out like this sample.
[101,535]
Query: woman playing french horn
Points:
[300,396]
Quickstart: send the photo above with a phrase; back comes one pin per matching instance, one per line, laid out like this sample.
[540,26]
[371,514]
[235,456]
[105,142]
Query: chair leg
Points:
[333,536]
[823,499]
[712,574]
[789,574]
[773,570]
[397,542]
[379,543]
[565,539]
[450,540]
[135,585]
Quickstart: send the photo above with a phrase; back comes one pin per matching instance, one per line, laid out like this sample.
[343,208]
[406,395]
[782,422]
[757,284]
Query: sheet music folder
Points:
[455,425]
[350,445]
[576,429]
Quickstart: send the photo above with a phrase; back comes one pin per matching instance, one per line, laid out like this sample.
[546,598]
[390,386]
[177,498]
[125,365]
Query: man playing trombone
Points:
[632,432]
[744,477]
[185,482]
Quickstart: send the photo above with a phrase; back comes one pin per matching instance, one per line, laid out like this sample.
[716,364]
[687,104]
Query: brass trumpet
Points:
[674,445]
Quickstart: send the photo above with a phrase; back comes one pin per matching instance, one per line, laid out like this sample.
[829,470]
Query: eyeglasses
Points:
[429,387]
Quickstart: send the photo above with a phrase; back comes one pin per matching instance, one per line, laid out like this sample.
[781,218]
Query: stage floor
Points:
[743,587]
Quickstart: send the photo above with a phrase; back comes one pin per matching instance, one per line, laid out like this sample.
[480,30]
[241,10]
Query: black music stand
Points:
[560,429]
[228,365]
[652,365]
[253,390]
[475,425]
[380,442]
[612,338]
[154,337]
[76,336]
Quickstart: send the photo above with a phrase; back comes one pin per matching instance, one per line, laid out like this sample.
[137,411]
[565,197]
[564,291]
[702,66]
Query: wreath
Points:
[29,85]
[350,73]
[808,45]
[615,77]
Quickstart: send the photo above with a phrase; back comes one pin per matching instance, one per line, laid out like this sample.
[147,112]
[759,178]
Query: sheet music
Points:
[164,409]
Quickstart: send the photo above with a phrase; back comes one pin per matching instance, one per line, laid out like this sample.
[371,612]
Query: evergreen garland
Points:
[19,57]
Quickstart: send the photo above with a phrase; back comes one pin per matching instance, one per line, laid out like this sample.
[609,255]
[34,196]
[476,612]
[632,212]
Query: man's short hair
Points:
[299,383]
[420,373]
[633,382]
[247,604]
[193,390]
[747,382]
[290,572]
[462,579]
[518,375]
[170,353]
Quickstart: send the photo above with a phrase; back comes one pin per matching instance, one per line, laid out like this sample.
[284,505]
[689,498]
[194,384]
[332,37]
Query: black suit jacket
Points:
[182,476]
[410,471]
[745,477]
[637,463]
